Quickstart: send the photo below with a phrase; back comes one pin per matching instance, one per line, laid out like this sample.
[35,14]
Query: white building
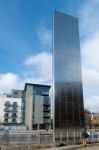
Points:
[10,109]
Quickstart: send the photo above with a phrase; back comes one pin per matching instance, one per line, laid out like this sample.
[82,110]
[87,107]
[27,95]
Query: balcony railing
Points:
[15,105]
[14,115]
[14,110]
[47,109]
[45,93]
[7,110]
[46,115]
[6,115]
[46,121]
[14,120]
[47,103]
[5,120]
[7,104]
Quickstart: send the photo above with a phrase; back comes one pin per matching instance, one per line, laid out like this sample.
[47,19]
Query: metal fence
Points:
[19,137]
[41,137]
[93,135]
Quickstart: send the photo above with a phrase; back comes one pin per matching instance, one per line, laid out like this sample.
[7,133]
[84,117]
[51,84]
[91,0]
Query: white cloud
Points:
[89,25]
[90,52]
[92,103]
[90,81]
[8,81]
[89,14]
[45,37]
[42,63]
[91,89]
[38,69]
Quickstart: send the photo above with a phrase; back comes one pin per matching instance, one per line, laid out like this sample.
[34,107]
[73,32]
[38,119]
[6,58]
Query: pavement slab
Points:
[76,147]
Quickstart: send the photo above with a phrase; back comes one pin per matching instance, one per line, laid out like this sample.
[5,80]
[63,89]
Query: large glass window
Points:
[40,90]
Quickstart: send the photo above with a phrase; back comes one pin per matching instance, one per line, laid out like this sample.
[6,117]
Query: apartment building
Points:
[37,106]
[10,109]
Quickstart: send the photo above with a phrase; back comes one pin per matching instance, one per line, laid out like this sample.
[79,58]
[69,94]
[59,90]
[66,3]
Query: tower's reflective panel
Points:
[68,93]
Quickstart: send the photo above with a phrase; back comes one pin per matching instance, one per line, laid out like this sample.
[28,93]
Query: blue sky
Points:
[26,43]
[21,20]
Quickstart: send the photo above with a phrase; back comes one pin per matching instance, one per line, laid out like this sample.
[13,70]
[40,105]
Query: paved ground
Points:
[69,147]
[76,147]
[90,147]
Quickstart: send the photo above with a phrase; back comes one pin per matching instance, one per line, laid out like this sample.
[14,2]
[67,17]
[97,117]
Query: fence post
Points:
[74,136]
[60,137]
[39,137]
[53,137]
[92,137]
[45,138]
[67,136]
[98,136]
[80,136]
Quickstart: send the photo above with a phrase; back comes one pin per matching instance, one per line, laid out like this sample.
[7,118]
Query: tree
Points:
[87,115]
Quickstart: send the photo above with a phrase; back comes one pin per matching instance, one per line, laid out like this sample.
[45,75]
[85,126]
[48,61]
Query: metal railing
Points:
[42,137]
[93,135]
[19,137]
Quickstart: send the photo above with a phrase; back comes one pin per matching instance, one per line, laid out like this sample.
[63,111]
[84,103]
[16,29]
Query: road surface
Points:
[90,147]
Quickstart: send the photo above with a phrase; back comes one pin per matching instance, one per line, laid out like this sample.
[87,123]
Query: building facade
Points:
[95,120]
[17,93]
[10,110]
[69,109]
[37,106]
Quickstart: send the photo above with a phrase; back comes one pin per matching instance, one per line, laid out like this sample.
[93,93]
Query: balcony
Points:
[7,103]
[14,115]
[14,121]
[46,115]
[7,110]
[46,121]
[46,109]
[45,93]
[5,120]
[15,104]
[6,115]
[14,110]
[47,103]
